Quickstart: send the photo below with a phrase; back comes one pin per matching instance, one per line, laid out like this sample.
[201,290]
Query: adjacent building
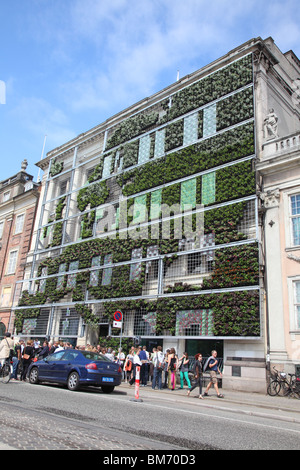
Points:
[279,171]
[159,212]
[18,204]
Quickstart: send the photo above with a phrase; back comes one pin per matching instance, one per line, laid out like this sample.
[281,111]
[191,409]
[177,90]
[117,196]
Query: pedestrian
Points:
[120,359]
[5,347]
[44,351]
[36,344]
[136,363]
[165,369]
[144,367]
[53,347]
[172,367]
[198,373]
[184,369]
[158,362]
[151,364]
[28,355]
[17,360]
[60,346]
[110,354]
[128,366]
[213,365]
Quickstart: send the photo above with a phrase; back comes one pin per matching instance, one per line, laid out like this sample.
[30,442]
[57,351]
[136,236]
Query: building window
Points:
[43,281]
[107,272]
[1,229]
[71,282]
[190,129]
[136,268]
[64,187]
[12,262]
[159,148]
[297,304]
[144,149]
[19,223]
[208,188]
[209,120]
[194,323]
[60,280]
[94,275]
[6,196]
[188,194]
[295,219]
[6,296]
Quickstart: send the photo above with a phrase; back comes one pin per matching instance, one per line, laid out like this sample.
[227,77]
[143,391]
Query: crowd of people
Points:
[159,369]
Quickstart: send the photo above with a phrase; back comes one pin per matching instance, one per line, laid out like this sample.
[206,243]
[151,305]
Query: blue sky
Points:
[68,65]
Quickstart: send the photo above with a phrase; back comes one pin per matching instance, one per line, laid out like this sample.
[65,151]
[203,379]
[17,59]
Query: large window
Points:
[295,219]
[12,262]
[6,296]
[19,223]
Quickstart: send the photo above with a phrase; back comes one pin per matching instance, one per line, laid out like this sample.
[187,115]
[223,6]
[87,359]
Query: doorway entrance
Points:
[204,346]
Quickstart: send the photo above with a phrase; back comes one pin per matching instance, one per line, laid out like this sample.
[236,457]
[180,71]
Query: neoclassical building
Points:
[161,212]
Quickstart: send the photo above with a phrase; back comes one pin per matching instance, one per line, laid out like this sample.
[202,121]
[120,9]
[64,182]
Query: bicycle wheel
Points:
[296,390]
[5,374]
[274,388]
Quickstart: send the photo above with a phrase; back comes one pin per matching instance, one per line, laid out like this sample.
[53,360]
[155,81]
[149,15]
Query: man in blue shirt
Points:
[213,366]
[144,368]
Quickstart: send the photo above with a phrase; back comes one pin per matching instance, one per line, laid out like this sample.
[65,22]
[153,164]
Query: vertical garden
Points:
[194,149]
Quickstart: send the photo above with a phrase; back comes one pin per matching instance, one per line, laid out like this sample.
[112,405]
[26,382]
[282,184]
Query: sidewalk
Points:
[285,408]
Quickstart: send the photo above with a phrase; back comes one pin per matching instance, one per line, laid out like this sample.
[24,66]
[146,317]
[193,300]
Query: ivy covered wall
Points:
[211,151]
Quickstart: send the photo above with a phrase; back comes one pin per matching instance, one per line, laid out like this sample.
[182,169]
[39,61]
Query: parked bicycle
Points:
[5,372]
[289,384]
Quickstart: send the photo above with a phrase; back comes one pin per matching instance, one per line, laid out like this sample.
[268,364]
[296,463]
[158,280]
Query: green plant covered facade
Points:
[180,256]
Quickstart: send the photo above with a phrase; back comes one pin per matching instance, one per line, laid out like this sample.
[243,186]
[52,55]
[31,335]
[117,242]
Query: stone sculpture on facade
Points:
[271,125]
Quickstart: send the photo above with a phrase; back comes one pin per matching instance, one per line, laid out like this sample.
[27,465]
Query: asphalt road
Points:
[47,417]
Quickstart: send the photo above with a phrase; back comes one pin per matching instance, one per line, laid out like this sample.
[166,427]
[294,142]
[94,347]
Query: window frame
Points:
[9,271]
[291,218]
[6,196]
[1,228]
[19,227]
[294,323]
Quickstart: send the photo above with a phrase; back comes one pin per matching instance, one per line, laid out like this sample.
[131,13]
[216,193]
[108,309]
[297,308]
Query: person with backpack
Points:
[212,364]
[198,372]
[184,370]
[6,345]
[128,366]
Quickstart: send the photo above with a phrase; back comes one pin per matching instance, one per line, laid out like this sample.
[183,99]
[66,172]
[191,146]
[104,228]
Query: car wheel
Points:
[73,381]
[34,376]
[107,388]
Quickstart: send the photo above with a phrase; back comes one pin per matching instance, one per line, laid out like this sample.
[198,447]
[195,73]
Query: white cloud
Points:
[112,53]
[40,118]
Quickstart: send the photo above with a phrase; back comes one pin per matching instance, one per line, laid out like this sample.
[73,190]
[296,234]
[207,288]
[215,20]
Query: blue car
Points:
[76,368]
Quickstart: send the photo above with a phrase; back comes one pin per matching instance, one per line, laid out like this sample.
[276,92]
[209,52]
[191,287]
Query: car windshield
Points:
[95,356]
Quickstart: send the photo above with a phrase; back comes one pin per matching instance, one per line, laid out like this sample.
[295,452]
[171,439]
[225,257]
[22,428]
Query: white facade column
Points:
[274,277]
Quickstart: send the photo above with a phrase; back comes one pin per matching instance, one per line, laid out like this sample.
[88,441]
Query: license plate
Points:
[107,379]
